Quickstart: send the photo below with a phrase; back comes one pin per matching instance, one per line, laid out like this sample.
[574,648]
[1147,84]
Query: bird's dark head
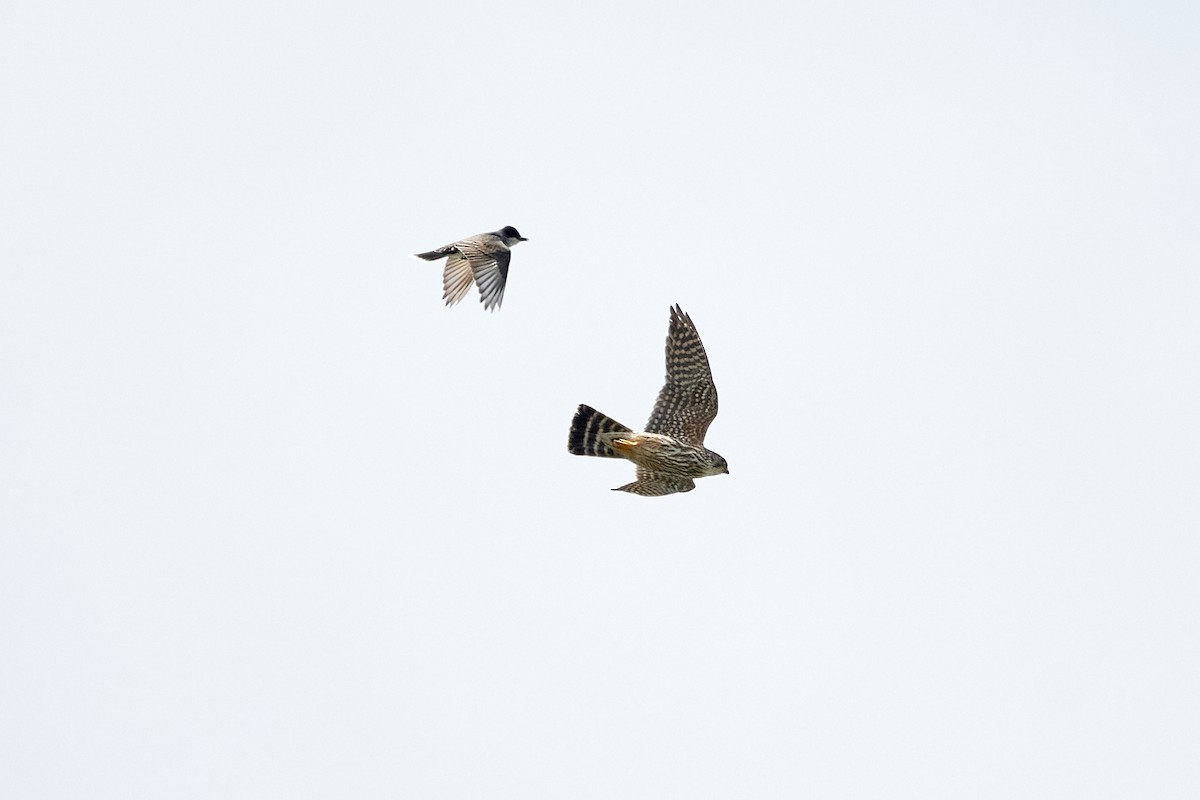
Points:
[511,235]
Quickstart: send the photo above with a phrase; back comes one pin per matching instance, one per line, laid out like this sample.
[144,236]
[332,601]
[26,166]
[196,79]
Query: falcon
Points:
[670,453]
[481,259]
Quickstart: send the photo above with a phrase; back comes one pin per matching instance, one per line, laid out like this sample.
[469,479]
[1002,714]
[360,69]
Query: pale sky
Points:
[277,524]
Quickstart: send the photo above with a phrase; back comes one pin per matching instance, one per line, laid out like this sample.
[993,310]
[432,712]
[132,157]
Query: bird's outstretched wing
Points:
[489,262]
[456,278]
[687,403]
[652,484]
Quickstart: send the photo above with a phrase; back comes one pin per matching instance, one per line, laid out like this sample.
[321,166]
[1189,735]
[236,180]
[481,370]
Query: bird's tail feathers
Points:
[586,427]
[434,255]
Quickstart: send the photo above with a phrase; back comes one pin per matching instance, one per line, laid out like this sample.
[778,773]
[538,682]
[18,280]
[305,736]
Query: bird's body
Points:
[670,453]
[481,259]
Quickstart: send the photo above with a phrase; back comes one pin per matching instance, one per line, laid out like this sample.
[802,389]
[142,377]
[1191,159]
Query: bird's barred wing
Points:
[652,484]
[456,278]
[489,262]
[687,403]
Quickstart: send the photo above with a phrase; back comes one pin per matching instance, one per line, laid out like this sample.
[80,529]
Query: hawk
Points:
[671,451]
[482,259]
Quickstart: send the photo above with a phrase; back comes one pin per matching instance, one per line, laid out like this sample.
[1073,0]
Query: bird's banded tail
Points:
[584,439]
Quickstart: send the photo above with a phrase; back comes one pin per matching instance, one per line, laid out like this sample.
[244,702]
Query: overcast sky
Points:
[277,523]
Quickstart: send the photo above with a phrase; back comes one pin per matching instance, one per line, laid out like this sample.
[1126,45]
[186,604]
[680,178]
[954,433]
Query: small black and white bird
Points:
[482,258]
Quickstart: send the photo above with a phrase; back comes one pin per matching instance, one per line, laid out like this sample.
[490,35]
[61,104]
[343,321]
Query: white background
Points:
[276,523]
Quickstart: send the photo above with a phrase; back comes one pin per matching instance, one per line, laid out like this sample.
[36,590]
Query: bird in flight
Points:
[481,259]
[671,451]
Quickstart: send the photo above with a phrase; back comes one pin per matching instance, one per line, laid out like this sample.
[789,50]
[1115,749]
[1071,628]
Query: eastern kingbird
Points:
[483,258]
